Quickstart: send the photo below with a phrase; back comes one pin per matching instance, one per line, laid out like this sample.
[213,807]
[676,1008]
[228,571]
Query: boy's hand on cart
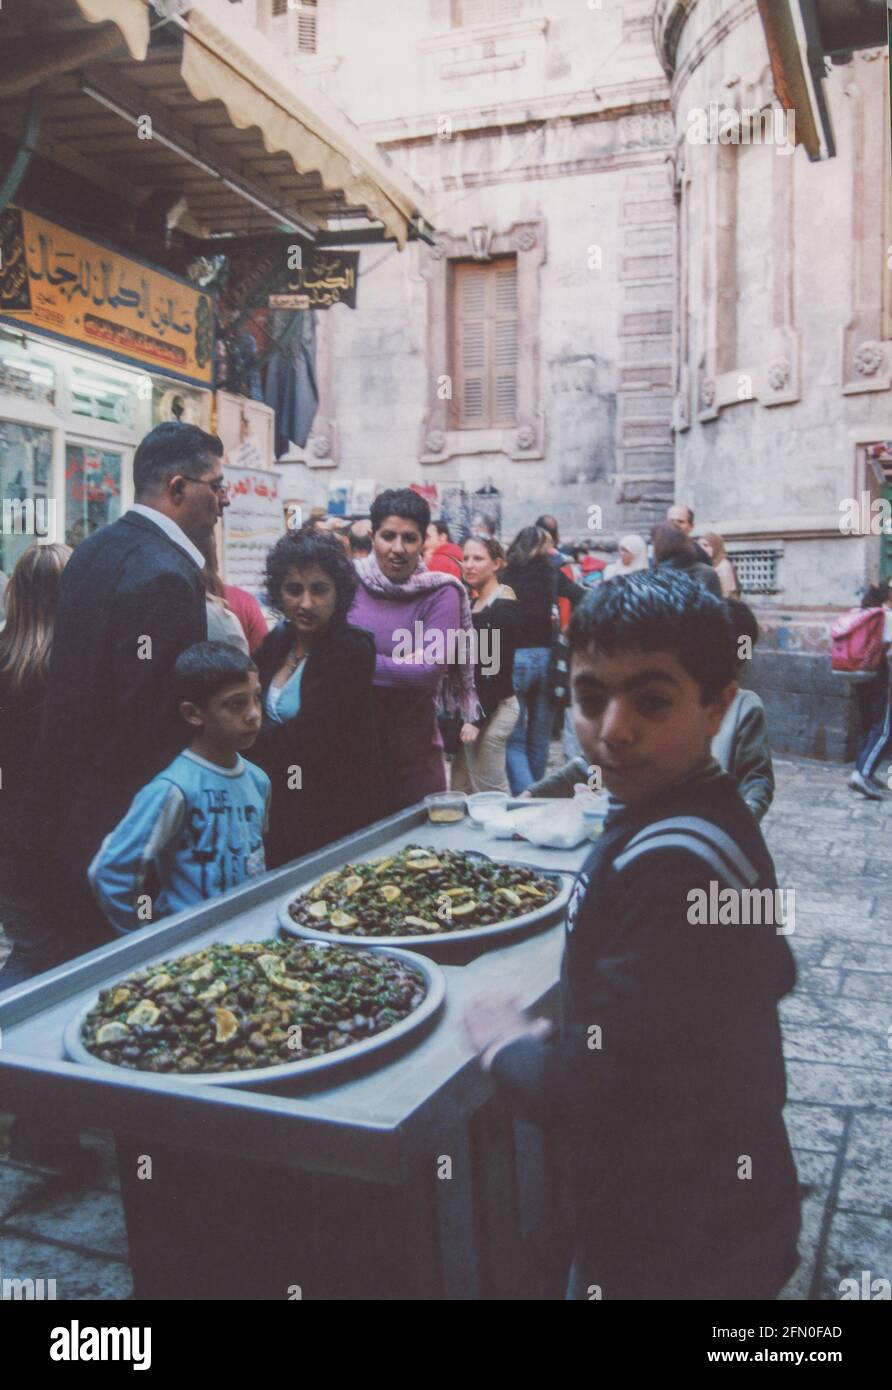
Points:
[493,1019]
[469,733]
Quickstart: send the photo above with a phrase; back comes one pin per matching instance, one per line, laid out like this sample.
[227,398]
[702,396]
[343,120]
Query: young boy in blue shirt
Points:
[196,830]
[667,1082]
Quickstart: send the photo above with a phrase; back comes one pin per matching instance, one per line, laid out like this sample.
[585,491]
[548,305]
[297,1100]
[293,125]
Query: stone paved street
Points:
[836,852]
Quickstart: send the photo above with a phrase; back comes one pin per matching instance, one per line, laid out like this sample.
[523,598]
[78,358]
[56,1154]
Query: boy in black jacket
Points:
[667,1084]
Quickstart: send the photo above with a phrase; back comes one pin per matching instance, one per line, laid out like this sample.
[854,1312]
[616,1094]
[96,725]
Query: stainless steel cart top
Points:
[376,1125]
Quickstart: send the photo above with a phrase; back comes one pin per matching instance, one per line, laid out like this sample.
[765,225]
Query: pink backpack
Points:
[857,640]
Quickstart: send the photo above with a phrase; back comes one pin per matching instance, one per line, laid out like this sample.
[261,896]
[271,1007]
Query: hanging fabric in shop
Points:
[290,386]
[243,376]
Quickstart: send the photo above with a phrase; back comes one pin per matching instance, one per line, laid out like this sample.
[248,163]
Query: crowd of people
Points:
[160,744]
[133,679]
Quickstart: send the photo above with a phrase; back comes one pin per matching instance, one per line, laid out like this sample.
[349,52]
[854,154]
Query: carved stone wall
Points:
[782,372]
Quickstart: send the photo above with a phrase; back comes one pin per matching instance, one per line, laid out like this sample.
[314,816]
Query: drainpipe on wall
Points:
[27,146]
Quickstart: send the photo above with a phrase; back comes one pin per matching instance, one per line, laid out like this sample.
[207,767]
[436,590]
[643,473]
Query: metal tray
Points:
[445,942]
[256,1077]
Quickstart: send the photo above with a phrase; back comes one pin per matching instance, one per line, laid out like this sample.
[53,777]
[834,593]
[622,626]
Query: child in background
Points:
[667,1085]
[741,745]
[197,828]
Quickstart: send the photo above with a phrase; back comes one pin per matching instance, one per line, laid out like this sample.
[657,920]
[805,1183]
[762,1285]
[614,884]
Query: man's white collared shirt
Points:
[171,529]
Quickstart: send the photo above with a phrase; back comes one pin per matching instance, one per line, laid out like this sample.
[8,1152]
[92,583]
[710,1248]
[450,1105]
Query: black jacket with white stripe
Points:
[667,1082]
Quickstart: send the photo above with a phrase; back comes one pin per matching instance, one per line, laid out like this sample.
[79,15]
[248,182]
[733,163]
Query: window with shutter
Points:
[306,27]
[485,319]
[292,24]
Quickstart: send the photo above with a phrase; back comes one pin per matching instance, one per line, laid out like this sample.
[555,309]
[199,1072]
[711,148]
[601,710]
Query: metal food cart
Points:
[405,1179]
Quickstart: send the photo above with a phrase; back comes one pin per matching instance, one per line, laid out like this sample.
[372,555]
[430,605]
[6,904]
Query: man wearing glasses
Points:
[131,601]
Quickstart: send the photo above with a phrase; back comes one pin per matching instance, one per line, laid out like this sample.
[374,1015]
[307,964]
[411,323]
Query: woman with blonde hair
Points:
[25,645]
[632,556]
[479,765]
[714,546]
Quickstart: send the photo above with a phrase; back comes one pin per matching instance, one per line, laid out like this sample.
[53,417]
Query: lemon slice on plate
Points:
[144,1014]
[112,1032]
[421,922]
[227,1024]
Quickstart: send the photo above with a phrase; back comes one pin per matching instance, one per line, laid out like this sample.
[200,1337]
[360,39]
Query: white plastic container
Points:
[482,806]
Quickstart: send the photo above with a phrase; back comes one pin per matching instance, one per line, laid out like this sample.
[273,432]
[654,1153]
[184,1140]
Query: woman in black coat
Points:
[538,584]
[317,743]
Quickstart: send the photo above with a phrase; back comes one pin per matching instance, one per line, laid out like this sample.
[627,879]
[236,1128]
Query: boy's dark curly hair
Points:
[660,611]
[302,549]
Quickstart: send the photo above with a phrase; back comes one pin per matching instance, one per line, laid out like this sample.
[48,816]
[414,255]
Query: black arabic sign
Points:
[327,277]
[15,289]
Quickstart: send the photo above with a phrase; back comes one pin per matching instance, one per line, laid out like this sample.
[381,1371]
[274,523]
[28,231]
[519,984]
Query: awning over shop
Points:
[233,127]
[259,88]
[131,17]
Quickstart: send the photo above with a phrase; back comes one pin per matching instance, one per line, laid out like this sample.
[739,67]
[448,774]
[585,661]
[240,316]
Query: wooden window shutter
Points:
[306,27]
[293,27]
[504,357]
[485,298]
[472,345]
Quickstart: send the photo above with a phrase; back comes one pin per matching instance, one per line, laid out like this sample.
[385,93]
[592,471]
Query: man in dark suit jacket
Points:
[131,600]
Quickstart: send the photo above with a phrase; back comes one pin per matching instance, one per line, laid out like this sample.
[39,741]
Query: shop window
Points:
[92,489]
[485,343]
[26,375]
[26,456]
[101,393]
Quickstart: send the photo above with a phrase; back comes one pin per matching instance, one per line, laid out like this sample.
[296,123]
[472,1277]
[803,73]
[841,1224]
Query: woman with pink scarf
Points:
[424,640]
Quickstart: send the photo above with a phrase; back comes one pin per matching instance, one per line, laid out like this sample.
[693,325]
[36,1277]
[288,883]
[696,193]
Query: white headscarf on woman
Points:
[637,548]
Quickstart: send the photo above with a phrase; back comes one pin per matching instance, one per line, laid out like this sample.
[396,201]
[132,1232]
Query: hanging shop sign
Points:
[278,273]
[64,285]
[252,523]
[327,278]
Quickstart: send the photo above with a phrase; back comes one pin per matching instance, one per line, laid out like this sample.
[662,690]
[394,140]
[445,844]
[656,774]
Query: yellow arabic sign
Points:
[89,294]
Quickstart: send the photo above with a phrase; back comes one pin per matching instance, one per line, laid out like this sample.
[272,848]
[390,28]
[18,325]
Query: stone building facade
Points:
[784,347]
[785,338]
[621,310]
[541,132]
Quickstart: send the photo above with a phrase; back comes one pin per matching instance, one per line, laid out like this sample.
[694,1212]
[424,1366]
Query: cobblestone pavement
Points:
[835,850]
